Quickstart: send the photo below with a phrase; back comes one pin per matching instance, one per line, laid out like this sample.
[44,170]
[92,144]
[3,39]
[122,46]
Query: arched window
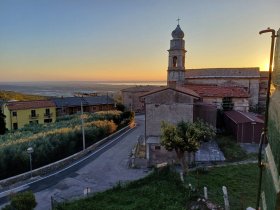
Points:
[175,61]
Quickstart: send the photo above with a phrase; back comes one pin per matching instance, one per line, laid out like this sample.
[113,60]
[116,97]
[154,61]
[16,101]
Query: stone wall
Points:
[172,113]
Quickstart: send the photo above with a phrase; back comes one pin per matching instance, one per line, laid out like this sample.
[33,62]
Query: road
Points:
[101,171]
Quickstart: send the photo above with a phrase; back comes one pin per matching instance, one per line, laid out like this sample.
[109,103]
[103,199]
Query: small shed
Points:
[245,126]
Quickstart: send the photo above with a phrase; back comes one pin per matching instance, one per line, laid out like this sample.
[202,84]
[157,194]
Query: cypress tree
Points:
[2,123]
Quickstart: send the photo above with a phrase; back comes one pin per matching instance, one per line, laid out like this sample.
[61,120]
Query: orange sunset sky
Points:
[128,40]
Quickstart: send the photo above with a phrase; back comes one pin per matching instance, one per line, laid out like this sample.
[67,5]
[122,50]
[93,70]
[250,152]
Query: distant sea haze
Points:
[67,89]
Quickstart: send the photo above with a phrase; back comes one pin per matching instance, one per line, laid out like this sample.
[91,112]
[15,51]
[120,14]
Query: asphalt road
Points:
[104,169]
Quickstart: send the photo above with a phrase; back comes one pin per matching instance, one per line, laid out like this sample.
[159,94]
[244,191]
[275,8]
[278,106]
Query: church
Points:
[191,94]
[244,88]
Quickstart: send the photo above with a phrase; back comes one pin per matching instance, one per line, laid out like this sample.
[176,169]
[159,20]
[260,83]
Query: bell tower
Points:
[176,59]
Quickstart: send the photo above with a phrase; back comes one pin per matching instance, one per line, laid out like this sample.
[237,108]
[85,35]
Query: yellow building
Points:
[21,113]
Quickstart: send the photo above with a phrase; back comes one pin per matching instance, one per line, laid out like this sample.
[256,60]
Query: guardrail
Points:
[47,169]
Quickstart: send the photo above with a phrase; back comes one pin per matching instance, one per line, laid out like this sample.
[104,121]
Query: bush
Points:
[54,141]
[22,201]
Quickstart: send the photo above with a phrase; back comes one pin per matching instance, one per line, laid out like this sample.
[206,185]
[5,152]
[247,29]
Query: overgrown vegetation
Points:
[159,190]
[231,150]
[241,182]
[22,201]
[164,190]
[11,95]
[54,141]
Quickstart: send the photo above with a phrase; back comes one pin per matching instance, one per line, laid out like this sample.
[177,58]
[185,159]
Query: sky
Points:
[124,40]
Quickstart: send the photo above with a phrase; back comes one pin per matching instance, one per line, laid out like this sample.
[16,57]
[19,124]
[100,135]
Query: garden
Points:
[55,141]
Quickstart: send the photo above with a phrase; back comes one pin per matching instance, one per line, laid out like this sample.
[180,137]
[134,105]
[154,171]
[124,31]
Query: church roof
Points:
[219,91]
[222,73]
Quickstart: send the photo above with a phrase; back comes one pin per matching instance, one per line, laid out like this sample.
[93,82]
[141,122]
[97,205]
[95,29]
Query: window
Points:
[47,120]
[47,111]
[157,147]
[175,61]
[14,114]
[34,122]
[33,113]
[15,126]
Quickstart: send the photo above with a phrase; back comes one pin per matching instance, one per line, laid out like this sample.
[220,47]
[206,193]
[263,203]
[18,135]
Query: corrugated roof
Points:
[141,88]
[218,91]
[21,105]
[222,72]
[183,90]
[76,101]
[242,117]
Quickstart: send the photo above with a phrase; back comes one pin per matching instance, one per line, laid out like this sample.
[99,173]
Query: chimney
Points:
[172,84]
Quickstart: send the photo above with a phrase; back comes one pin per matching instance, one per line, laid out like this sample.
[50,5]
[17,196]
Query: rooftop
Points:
[223,72]
[243,117]
[218,91]
[140,88]
[183,90]
[21,105]
[86,101]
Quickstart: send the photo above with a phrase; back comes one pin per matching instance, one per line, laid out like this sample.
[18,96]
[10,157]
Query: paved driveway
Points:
[98,173]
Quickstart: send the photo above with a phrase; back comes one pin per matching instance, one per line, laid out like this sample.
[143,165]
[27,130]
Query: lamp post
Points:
[30,150]
[83,127]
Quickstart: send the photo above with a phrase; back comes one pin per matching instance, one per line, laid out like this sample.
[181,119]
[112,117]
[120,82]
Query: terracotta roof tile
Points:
[218,91]
[20,105]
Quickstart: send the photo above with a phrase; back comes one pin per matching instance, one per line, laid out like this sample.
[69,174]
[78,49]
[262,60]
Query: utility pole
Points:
[264,133]
[83,128]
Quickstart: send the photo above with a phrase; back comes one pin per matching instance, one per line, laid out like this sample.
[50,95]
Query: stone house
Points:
[131,97]
[217,95]
[169,104]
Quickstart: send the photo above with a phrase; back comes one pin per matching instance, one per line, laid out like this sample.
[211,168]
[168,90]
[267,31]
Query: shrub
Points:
[23,201]
[54,141]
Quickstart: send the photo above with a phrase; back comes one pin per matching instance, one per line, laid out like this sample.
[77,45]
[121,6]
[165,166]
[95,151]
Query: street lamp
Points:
[30,150]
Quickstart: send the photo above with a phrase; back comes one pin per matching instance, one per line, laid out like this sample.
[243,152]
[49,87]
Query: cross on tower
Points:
[178,20]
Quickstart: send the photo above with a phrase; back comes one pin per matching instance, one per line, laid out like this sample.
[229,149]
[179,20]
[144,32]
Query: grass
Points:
[159,190]
[164,190]
[231,150]
[241,182]
[11,95]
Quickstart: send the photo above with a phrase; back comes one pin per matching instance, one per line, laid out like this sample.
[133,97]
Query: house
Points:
[169,104]
[131,97]
[223,96]
[72,105]
[21,113]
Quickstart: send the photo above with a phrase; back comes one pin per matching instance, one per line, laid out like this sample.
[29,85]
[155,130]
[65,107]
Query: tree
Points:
[2,123]
[185,137]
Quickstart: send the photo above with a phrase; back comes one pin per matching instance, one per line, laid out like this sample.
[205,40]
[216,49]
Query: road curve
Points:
[101,171]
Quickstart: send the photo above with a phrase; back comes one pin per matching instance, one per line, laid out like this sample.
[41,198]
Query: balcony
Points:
[36,116]
[48,115]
